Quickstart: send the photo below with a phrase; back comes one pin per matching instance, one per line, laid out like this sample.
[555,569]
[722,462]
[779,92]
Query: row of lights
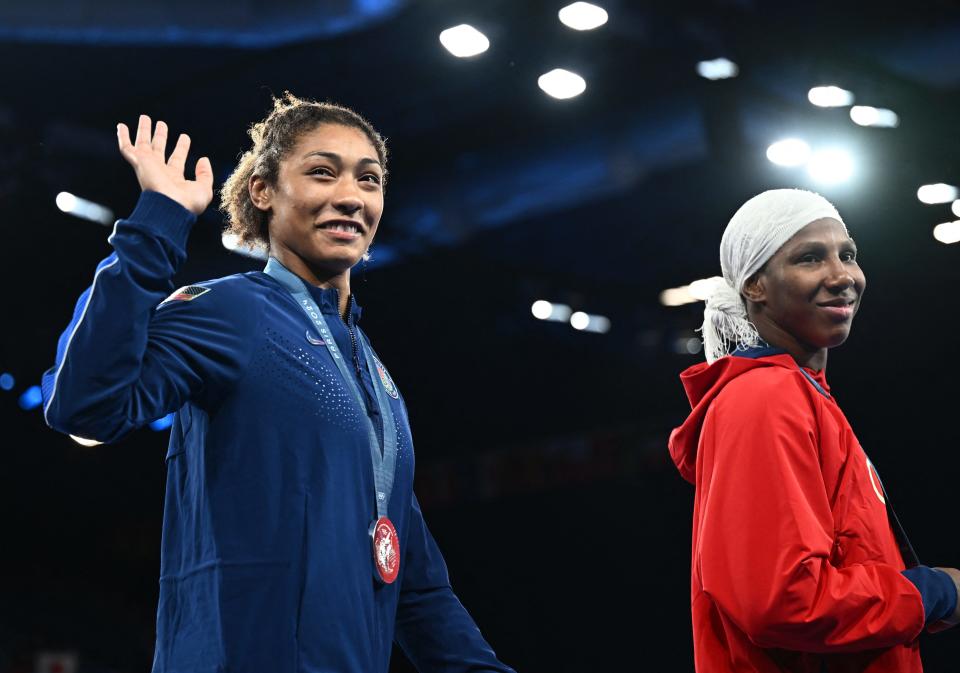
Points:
[583,322]
[946,232]
[465,41]
[829,165]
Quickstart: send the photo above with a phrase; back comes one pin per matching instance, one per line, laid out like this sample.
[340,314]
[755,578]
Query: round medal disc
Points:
[386,550]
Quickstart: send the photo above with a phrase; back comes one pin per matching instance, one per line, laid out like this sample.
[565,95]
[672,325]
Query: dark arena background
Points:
[540,428]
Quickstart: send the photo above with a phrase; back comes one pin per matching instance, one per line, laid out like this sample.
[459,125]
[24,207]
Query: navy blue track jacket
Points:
[266,562]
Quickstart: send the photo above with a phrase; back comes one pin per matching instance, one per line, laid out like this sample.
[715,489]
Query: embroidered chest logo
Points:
[185,293]
[314,340]
[875,481]
[385,379]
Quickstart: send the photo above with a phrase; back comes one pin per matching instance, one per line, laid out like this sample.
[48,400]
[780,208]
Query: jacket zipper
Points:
[353,336]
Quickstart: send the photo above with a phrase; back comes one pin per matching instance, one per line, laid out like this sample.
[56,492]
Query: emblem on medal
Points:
[385,379]
[386,550]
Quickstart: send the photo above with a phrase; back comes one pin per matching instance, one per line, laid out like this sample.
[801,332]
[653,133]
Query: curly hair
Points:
[273,137]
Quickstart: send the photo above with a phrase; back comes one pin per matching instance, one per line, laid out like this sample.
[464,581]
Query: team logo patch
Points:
[185,293]
[385,379]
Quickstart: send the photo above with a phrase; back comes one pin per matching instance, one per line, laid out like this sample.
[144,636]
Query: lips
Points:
[840,309]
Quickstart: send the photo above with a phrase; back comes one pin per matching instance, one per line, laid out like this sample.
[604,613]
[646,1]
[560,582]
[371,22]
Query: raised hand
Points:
[157,173]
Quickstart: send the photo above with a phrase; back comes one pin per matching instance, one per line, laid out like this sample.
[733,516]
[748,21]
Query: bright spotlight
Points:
[831,166]
[541,309]
[955,207]
[562,84]
[948,232]
[162,423]
[464,41]
[87,210]
[583,16]
[546,310]
[579,320]
[789,152]
[7,382]
[937,193]
[830,96]
[83,441]
[718,68]
[31,398]
[597,324]
[864,115]
[232,243]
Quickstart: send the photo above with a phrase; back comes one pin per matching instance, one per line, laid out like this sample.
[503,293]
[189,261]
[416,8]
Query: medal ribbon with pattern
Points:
[386,544]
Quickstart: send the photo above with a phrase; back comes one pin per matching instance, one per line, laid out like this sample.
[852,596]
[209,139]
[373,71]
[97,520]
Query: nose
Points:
[839,277]
[347,198]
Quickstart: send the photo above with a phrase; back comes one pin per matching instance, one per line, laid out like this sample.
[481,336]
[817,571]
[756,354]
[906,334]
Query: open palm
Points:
[158,173]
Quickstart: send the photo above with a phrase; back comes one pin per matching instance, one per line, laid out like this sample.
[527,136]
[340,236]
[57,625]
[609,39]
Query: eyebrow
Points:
[333,156]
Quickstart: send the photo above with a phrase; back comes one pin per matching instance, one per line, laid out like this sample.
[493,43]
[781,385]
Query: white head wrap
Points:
[754,234]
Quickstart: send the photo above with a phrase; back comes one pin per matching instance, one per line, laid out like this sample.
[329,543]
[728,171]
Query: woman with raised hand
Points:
[799,563]
[292,540]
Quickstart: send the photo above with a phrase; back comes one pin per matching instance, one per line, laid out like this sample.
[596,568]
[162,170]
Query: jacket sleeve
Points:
[122,361]
[433,628]
[767,533]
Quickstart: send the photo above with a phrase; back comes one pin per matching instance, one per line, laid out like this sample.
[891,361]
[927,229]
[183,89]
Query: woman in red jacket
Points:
[797,564]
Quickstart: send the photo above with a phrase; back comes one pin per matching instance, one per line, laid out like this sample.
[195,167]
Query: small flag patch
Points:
[185,293]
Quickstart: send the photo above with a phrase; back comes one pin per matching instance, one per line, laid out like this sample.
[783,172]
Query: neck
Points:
[318,276]
[806,356]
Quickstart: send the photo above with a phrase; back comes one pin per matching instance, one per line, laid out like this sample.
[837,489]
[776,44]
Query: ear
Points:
[754,289]
[260,192]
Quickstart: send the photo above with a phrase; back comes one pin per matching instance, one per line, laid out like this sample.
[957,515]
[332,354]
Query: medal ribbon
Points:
[384,464]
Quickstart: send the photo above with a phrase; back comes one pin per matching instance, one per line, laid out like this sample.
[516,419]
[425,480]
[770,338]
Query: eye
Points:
[371,177]
[849,255]
[809,258]
[321,170]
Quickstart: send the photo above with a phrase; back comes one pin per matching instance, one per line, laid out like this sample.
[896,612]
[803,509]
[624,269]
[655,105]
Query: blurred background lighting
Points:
[162,423]
[831,166]
[83,441]
[955,208]
[948,232]
[696,291]
[789,152]
[87,210]
[232,243]
[562,84]
[597,324]
[464,41]
[583,16]
[830,96]
[579,320]
[31,398]
[864,115]
[7,382]
[718,68]
[937,193]
[545,310]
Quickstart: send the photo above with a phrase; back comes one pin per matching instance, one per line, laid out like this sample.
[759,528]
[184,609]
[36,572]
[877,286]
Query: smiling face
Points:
[326,204]
[805,297]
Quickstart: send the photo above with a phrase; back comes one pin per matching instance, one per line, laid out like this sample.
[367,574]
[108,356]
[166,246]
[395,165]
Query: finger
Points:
[204,173]
[160,138]
[143,131]
[123,137]
[178,158]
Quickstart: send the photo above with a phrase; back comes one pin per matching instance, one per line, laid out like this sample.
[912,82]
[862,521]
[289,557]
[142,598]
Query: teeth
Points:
[346,228]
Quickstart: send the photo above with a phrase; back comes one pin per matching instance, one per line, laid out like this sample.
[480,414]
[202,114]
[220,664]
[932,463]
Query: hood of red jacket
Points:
[702,383]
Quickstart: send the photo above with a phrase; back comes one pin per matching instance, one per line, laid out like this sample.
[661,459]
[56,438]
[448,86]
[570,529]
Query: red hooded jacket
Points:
[795,566]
